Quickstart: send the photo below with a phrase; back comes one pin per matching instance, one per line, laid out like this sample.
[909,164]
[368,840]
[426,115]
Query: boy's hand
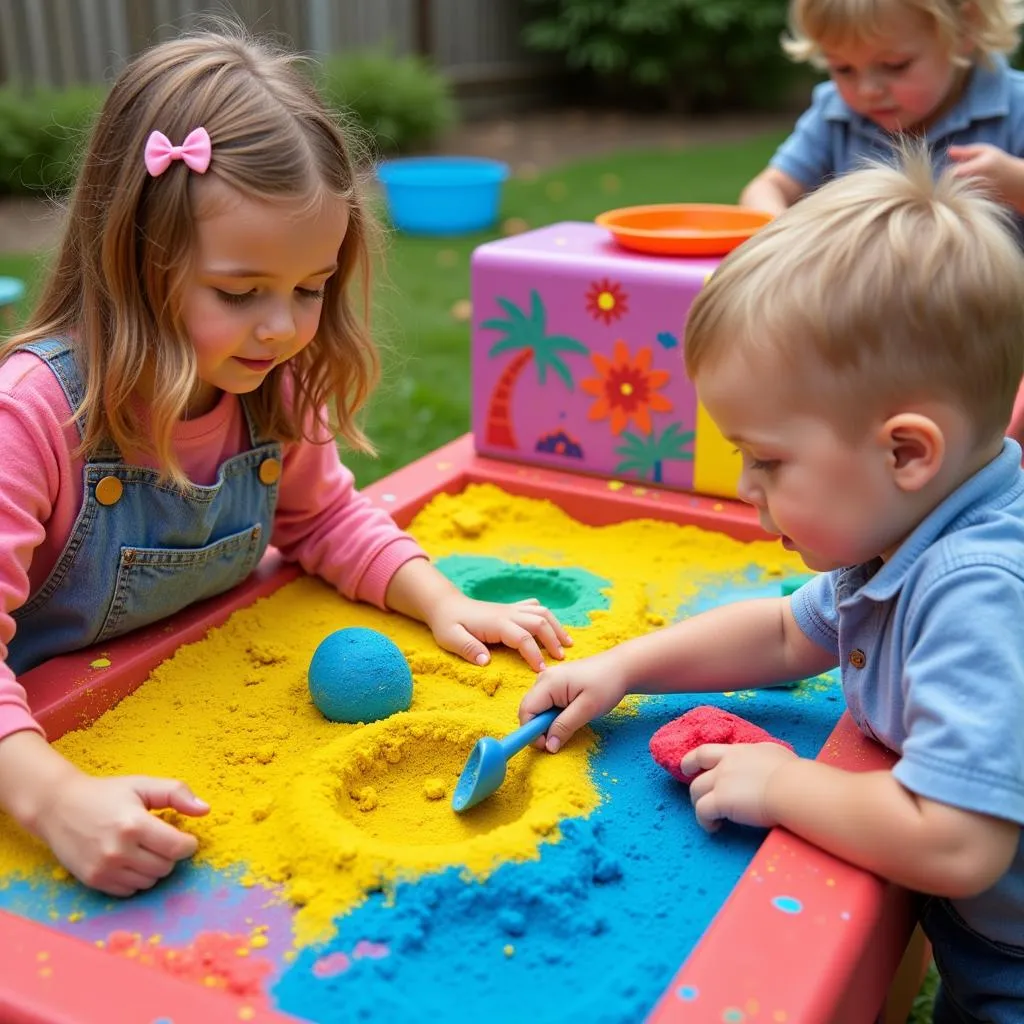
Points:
[585,689]
[101,830]
[1001,173]
[733,782]
[464,627]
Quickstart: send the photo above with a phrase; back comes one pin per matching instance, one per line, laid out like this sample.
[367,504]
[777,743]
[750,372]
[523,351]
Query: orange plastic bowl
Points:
[683,229]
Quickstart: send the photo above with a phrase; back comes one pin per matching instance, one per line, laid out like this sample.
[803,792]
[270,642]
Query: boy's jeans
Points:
[982,980]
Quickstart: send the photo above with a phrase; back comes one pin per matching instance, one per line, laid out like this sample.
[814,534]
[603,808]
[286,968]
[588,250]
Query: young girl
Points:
[164,415]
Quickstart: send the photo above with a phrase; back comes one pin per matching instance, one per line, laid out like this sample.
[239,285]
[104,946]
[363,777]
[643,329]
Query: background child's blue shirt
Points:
[931,649]
[830,139]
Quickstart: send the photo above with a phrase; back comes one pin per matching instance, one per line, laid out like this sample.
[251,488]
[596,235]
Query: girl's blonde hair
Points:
[884,286]
[991,26]
[126,255]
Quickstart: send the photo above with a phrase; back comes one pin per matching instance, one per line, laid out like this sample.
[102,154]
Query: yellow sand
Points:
[333,811]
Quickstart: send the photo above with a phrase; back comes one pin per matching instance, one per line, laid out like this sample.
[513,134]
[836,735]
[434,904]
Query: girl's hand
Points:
[102,831]
[585,689]
[1000,172]
[464,627]
[733,782]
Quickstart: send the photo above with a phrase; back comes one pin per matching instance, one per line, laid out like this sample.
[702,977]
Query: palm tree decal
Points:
[644,454]
[527,335]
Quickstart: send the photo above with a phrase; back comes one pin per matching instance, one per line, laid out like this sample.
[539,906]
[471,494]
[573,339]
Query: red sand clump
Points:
[702,725]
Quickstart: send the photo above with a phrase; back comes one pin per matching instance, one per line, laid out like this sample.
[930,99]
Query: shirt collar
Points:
[990,481]
[987,96]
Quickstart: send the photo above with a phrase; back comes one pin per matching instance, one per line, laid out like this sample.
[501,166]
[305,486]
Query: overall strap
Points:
[250,421]
[59,356]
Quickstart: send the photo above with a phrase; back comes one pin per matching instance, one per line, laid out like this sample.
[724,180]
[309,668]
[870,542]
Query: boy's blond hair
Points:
[992,26]
[117,283]
[881,288]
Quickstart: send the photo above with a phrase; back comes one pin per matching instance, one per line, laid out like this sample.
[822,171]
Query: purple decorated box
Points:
[577,360]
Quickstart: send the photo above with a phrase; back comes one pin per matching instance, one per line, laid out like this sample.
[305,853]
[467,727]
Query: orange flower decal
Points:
[626,389]
[607,301]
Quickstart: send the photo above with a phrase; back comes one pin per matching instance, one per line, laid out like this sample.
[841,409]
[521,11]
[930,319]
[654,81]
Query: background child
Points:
[929,68]
[859,353]
[197,322]
[933,68]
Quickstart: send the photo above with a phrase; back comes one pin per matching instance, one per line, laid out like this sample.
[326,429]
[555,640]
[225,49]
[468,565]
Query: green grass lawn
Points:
[425,398]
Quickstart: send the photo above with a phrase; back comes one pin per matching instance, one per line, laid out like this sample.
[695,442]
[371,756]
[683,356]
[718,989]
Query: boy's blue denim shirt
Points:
[930,645]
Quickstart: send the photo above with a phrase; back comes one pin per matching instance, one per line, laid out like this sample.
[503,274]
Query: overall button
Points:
[858,658]
[109,490]
[270,471]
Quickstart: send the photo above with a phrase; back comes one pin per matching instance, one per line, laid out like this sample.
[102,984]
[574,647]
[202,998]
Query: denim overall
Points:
[141,548]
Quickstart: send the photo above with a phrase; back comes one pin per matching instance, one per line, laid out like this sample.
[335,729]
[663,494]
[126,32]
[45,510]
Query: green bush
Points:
[402,102]
[42,136]
[690,54]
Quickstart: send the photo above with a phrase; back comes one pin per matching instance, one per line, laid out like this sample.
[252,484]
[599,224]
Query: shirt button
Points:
[109,490]
[858,658]
[270,471]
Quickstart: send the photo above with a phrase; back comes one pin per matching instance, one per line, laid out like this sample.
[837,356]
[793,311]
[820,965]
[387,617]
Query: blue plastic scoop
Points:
[485,769]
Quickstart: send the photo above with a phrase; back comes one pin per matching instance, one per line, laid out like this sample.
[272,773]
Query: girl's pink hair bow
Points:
[195,151]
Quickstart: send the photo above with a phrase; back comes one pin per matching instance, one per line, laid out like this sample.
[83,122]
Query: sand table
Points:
[343,836]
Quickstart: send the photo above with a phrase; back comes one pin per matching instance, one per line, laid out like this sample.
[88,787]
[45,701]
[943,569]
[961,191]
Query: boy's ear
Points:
[915,447]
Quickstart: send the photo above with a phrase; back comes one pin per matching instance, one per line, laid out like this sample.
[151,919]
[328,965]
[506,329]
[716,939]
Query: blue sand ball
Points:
[359,675]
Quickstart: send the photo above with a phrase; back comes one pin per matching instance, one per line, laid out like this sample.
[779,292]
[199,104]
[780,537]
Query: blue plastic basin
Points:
[11,290]
[443,195]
